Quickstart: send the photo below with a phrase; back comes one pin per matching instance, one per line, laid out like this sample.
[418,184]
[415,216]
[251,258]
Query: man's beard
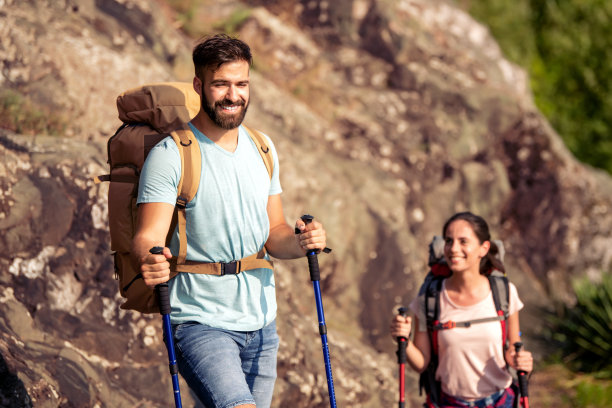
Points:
[221,119]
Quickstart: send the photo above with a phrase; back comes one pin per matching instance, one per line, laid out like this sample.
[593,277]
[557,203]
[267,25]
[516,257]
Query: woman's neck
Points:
[466,287]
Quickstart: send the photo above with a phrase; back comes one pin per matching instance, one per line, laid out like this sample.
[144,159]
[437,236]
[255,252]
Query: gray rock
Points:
[388,117]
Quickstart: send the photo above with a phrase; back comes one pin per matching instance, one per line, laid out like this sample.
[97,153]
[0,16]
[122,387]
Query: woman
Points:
[471,360]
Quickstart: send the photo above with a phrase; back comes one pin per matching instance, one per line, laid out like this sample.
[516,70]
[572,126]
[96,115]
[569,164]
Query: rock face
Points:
[389,116]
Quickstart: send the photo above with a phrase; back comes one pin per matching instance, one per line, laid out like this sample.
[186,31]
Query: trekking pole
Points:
[313,267]
[522,379]
[164,309]
[401,360]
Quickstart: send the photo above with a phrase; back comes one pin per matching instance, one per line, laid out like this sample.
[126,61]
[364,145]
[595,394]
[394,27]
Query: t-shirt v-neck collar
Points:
[202,138]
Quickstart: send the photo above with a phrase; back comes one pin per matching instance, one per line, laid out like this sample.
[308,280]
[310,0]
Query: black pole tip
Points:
[156,250]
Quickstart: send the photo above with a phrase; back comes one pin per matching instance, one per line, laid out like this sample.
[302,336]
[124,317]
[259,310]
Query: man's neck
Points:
[224,138]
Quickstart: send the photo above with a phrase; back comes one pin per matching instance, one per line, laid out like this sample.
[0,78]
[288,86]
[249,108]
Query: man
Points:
[224,326]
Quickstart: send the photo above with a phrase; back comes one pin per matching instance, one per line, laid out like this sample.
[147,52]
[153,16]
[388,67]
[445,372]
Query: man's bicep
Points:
[154,221]
[276,216]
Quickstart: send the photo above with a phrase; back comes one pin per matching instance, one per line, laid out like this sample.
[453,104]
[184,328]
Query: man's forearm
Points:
[140,248]
[283,244]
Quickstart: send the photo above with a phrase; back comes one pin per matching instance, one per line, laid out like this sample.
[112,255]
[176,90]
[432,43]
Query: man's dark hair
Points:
[212,52]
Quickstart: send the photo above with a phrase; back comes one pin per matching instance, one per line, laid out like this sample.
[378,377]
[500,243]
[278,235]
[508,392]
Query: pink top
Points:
[471,363]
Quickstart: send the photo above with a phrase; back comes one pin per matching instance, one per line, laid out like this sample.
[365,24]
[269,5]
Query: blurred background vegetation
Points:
[566,47]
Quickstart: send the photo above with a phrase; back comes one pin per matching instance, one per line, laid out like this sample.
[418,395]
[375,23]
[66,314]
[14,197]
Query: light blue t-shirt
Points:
[227,220]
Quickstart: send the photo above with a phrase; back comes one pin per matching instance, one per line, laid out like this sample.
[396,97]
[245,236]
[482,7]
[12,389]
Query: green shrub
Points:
[189,14]
[566,46]
[19,114]
[185,13]
[584,332]
[593,394]
[231,24]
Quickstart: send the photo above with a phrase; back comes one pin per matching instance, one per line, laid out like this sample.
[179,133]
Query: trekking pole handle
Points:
[401,341]
[307,220]
[313,262]
[522,375]
[161,289]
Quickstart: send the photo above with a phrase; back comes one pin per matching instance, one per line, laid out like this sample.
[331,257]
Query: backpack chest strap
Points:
[254,261]
[451,324]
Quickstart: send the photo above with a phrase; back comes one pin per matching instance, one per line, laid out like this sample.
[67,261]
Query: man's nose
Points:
[232,93]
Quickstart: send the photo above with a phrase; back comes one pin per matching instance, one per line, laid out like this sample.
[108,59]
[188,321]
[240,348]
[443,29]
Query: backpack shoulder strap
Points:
[432,289]
[501,293]
[500,288]
[191,168]
[262,147]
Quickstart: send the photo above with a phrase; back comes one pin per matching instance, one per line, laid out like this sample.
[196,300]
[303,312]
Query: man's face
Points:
[225,94]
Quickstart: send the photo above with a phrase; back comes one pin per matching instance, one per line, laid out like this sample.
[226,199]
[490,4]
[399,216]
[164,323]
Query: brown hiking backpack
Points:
[149,114]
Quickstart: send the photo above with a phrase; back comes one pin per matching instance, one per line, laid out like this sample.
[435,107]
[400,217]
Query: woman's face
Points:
[462,248]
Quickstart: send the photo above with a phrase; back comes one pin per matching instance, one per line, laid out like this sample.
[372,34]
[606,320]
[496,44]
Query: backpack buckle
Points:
[181,202]
[448,325]
[229,268]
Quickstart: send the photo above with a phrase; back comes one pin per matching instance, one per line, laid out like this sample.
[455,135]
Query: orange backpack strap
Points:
[191,168]
[254,261]
[262,148]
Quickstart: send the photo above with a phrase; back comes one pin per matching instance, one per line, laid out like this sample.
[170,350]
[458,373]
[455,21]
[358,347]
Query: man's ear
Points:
[197,85]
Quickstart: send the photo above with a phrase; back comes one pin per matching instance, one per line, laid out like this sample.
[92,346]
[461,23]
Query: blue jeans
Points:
[226,368]
[501,399]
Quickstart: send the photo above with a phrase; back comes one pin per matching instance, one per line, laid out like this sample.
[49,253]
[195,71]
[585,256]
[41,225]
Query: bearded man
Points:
[223,325]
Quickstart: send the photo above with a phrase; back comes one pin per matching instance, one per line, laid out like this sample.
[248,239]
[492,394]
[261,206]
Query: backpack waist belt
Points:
[254,261]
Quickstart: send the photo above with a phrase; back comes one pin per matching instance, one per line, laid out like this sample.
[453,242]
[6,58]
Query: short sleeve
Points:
[160,174]
[417,307]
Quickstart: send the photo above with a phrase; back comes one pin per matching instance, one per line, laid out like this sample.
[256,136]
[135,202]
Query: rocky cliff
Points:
[389,116]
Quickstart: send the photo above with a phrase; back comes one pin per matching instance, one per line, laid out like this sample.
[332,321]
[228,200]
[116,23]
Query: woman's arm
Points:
[418,351]
[523,360]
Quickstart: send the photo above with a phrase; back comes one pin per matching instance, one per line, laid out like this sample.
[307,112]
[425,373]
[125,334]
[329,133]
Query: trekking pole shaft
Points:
[401,359]
[314,271]
[522,380]
[315,277]
[164,309]
[402,401]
